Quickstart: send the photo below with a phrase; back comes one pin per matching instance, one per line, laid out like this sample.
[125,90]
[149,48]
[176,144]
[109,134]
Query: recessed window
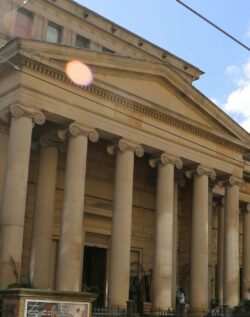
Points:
[82,42]
[23,24]
[53,33]
[107,50]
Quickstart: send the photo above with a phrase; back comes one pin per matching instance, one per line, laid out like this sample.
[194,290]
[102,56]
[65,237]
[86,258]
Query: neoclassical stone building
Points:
[139,166]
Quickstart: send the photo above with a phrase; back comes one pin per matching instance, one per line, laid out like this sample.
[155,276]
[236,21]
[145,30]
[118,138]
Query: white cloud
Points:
[246,124]
[246,69]
[248,31]
[231,69]
[238,102]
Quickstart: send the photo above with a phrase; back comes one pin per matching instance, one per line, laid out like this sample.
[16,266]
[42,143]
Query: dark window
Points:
[23,23]
[53,33]
[82,42]
[107,50]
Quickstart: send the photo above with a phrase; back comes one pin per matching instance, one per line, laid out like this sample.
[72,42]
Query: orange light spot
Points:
[79,73]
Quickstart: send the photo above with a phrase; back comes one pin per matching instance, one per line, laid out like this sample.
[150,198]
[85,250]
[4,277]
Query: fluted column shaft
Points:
[231,243]
[246,254]
[162,277]
[15,190]
[4,140]
[211,284]
[199,242]
[175,243]
[43,218]
[119,265]
[69,270]
[220,253]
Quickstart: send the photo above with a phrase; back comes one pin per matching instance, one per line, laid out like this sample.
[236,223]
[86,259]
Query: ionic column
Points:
[4,140]
[44,211]
[210,241]
[119,265]
[69,270]
[220,252]
[246,254]
[231,243]
[15,189]
[162,272]
[199,241]
[175,242]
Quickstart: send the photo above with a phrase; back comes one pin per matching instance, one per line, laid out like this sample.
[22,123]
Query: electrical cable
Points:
[214,25]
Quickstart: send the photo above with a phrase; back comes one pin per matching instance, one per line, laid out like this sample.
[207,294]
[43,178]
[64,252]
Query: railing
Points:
[169,313]
[109,312]
[223,311]
[129,312]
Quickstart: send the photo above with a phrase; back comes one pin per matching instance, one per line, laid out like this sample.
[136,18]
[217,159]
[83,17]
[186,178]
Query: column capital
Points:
[201,170]
[52,140]
[18,111]
[124,145]
[165,159]
[245,207]
[234,180]
[219,201]
[76,129]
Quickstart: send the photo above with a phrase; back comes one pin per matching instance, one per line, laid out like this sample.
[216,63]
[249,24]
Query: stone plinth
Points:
[16,299]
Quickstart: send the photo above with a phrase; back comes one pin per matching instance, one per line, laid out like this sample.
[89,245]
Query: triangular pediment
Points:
[157,93]
[150,84]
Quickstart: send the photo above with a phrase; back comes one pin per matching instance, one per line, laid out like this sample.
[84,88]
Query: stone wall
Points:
[98,203]
[184,227]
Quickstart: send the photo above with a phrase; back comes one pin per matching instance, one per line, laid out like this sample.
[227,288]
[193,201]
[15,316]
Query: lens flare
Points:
[79,73]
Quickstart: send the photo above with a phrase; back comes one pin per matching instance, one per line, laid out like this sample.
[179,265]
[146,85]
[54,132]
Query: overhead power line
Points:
[214,25]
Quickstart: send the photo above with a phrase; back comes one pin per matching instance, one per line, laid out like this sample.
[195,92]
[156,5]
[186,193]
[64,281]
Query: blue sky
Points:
[169,25]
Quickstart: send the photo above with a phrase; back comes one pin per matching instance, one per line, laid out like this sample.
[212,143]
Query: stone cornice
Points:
[127,103]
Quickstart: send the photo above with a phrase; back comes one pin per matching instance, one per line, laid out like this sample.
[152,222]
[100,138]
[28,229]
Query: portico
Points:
[93,184]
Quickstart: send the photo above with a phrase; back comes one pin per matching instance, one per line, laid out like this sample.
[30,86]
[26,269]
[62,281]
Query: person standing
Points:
[181,302]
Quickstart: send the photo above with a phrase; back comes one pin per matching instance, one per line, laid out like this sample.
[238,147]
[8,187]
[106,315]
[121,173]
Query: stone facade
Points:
[132,168]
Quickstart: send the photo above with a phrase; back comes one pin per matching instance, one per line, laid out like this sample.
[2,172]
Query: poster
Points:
[43,308]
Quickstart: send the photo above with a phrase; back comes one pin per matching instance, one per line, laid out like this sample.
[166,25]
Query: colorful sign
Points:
[43,308]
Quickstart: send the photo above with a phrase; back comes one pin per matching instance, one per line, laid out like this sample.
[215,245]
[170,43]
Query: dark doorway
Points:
[94,272]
